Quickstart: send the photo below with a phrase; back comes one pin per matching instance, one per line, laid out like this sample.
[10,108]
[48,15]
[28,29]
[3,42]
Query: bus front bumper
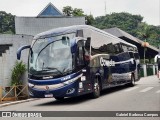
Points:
[69,90]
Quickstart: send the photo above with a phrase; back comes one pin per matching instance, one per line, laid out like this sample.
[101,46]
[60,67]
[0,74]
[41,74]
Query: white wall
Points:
[8,59]
[33,25]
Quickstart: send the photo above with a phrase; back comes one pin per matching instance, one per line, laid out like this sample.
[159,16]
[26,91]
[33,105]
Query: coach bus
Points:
[77,60]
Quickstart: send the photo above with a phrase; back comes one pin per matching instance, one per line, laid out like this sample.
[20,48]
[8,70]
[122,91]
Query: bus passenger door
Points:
[80,60]
[82,64]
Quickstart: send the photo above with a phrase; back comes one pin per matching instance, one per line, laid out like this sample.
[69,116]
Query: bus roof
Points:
[74,28]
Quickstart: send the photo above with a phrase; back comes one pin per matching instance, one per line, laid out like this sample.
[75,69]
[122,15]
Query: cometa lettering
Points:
[104,62]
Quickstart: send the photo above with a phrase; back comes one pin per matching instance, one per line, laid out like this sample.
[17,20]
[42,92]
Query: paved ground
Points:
[145,96]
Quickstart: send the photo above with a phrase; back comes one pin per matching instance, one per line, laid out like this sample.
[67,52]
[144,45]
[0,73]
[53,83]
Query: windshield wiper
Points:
[53,68]
[67,71]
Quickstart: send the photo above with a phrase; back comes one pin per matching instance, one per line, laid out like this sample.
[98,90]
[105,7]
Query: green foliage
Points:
[7,24]
[146,61]
[89,19]
[17,72]
[132,24]
[150,33]
[124,21]
[78,12]
[67,10]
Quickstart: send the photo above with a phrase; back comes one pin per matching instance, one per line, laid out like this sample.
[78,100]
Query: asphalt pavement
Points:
[144,96]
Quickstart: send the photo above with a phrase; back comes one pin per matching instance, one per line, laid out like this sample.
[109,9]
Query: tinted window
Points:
[136,55]
[127,47]
[118,48]
[131,54]
[104,49]
[80,56]
[80,52]
[102,43]
[123,56]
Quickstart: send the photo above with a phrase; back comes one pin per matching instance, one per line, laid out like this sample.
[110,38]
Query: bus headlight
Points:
[69,81]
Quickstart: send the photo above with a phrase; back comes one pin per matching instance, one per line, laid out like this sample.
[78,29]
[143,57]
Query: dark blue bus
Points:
[77,60]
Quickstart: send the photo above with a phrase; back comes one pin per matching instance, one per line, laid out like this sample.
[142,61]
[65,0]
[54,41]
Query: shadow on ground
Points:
[83,98]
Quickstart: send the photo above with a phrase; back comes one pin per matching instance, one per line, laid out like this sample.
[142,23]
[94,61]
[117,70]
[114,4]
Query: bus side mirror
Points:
[20,50]
[65,40]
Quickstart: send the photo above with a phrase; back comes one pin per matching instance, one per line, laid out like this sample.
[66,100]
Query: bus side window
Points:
[131,54]
[81,56]
[87,44]
[80,52]
[136,55]
[118,48]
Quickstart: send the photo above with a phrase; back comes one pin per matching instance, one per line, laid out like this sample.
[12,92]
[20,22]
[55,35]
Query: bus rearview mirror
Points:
[20,50]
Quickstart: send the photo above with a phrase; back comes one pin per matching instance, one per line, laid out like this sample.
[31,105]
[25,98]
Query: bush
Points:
[17,72]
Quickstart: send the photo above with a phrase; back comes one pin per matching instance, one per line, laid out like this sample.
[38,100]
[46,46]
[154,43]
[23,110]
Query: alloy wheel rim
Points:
[96,88]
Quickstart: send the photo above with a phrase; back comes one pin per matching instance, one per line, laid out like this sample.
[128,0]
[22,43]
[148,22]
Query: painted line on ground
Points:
[158,91]
[146,89]
[130,89]
[16,102]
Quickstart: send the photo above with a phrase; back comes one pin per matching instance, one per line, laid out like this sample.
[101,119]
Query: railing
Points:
[11,93]
[149,69]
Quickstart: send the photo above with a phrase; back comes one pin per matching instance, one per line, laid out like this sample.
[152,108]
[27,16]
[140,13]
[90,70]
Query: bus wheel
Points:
[132,80]
[59,98]
[96,89]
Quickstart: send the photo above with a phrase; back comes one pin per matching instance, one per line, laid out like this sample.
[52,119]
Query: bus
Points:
[157,61]
[77,60]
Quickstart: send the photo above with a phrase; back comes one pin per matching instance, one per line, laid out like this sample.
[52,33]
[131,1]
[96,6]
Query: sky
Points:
[149,9]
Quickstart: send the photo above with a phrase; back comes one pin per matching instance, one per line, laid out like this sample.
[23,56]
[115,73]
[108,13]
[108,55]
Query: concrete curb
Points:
[17,102]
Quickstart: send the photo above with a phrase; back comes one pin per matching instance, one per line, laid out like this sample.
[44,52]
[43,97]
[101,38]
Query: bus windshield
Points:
[51,56]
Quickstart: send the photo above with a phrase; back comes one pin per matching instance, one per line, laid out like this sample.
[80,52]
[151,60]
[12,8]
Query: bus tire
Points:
[96,88]
[59,98]
[132,83]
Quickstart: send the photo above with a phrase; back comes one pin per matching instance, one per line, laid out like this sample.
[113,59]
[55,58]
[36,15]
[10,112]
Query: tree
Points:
[89,19]
[150,33]
[123,20]
[145,34]
[132,24]
[78,12]
[7,24]
[67,10]
[144,30]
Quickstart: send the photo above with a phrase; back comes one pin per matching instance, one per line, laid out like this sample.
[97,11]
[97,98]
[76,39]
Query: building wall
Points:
[33,25]
[8,58]
[26,28]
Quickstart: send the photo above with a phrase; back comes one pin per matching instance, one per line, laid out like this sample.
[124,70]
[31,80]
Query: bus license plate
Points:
[49,95]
